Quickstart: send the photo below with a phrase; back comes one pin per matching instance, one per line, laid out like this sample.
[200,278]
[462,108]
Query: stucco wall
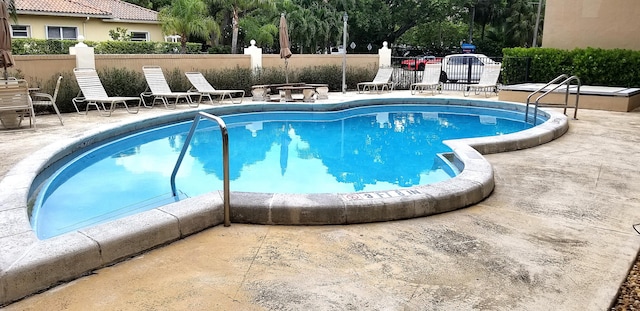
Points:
[607,24]
[92,29]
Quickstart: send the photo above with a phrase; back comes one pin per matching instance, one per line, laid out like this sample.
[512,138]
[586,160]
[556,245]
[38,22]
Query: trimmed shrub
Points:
[122,82]
[615,67]
[331,75]
[30,46]
[68,90]
[230,79]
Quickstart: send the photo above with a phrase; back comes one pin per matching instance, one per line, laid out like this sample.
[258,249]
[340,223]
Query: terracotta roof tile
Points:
[124,10]
[112,9]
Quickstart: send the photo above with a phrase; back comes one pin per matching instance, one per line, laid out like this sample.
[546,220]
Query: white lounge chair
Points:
[488,80]
[380,82]
[203,88]
[44,99]
[158,88]
[430,79]
[93,94]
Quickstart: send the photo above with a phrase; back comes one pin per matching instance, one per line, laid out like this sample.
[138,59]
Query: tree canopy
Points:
[187,18]
[428,26]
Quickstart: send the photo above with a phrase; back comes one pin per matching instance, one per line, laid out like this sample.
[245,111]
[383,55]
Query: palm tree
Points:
[301,27]
[11,7]
[187,18]
[260,29]
[519,23]
[327,20]
[313,26]
[238,8]
[486,13]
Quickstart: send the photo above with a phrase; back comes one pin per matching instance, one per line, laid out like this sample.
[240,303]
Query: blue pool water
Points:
[361,149]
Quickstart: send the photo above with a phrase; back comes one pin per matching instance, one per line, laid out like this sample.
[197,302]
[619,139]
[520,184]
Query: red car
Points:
[419,62]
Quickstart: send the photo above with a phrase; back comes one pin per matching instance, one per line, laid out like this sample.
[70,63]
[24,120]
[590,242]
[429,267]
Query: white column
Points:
[84,54]
[385,55]
[256,56]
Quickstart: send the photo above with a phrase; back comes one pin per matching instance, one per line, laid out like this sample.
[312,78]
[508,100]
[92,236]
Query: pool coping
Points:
[608,98]
[29,265]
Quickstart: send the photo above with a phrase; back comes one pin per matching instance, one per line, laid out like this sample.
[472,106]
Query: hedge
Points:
[50,46]
[594,66]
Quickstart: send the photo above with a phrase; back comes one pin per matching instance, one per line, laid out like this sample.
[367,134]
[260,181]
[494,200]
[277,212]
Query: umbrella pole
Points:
[286,70]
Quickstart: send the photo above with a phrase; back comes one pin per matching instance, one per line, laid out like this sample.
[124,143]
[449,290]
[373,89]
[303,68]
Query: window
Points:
[172,38]
[20,31]
[458,60]
[139,36]
[64,33]
[464,60]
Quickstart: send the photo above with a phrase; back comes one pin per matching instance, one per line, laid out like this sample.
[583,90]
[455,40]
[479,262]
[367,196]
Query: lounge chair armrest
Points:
[43,95]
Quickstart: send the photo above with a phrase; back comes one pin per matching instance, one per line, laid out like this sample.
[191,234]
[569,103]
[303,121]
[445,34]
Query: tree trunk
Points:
[183,44]
[399,32]
[234,36]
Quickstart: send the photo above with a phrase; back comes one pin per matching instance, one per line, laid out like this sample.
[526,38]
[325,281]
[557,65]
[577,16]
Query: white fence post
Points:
[84,54]
[385,55]
[256,56]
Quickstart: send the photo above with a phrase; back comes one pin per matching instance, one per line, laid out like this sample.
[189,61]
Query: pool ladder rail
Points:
[225,159]
[567,81]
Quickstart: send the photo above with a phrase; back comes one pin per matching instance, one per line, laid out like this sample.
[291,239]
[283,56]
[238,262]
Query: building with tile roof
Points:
[93,19]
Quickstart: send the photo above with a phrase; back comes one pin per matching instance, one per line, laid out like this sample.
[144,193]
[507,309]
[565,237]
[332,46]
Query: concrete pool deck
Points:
[556,233]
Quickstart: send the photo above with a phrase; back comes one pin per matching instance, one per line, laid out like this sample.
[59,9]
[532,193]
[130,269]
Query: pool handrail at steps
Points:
[225,159]
[567,81]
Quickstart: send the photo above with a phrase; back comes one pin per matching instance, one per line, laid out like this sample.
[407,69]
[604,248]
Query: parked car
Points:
[456,67]
[419,62]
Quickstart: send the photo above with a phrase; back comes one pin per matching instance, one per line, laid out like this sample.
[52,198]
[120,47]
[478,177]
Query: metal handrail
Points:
[566,97]
[567,81]
[526,113]
[225,160]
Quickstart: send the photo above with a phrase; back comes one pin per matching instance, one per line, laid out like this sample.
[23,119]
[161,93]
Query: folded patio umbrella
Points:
[6,59]
[285,52]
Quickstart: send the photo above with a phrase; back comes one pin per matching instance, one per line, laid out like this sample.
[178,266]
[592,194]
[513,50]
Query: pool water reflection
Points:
[362,149]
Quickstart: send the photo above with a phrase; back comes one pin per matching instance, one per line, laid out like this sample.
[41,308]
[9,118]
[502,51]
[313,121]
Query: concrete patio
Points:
[556,234]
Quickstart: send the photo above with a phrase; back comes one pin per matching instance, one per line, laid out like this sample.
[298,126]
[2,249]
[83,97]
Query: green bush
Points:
[122,82]
[607,67]
[219,49]
[40,46]
[177,80]
[68,90]
[272,76]
[231,79]
[357,75]
[615,67]
[331,75]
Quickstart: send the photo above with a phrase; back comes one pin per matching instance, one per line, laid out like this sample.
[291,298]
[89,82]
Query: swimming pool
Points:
[362,149]
[30,264]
